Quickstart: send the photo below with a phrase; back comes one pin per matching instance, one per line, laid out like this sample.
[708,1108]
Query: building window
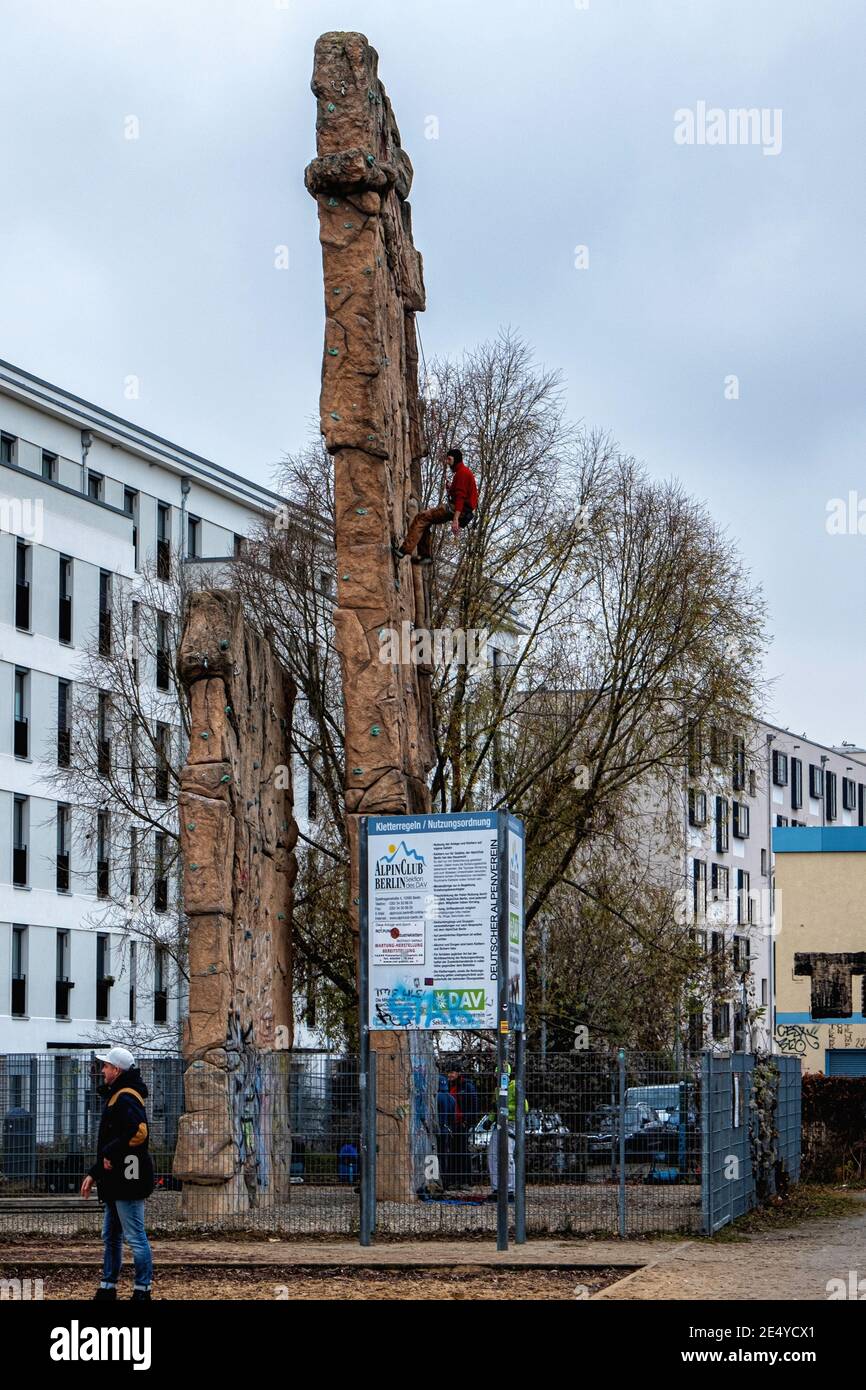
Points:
[781,820]
[163,540]
[20,829]
[697,808]
[849,794]
[103,977]
[19,972]
[103,844]
[133,867]
[738,769]
[696,1029]
[695,748]
[239,546]
[741,954]
[721,825]
[830,809]
[699,887]
[719,883]
[721,1022]
[741,820]
[63,984]
[796,784]
[133,976]
[163,663]
[7,448]
[160,879]
[130,507]
[64,605]
[719,747]
[780,769]
[64,710]
[103,733]
[163,750]
[21,736]
[22,586]
[816,782]
[104,612]
[160,985]
[764,862]
[94,486]
[193,537]
[744,897]
[63,837]
[49,466]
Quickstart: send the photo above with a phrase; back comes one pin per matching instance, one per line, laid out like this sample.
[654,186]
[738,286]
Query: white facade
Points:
[55,451]
[778,778]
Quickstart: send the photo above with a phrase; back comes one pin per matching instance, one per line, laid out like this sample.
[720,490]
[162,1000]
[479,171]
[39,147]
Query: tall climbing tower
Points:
[371,420]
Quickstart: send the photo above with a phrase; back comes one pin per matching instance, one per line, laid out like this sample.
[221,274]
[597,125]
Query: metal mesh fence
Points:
[613,1145]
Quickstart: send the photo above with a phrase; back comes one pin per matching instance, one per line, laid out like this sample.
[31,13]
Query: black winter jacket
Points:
[123,1140]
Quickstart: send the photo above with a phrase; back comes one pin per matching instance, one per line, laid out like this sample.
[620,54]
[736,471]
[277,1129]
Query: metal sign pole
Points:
[520,1138]
[368,1123]
[501,1136]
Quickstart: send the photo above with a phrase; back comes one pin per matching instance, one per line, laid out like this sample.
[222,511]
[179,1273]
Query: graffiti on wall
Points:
[796,1039]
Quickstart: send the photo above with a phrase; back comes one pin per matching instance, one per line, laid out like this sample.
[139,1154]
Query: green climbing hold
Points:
[370,438]
[193,867]
[371,95]
[228,709]
[333,352]
[348,225]
[205,736]
[281,917]
[224,646]
[337,290]
[345,576]
[375,730]
[190,825]
[357,902]
[333,203]
[370,159]
[256,763]
[357,771]
[334,415]
[331,106]
[367,270]
[226,777]
[361,511]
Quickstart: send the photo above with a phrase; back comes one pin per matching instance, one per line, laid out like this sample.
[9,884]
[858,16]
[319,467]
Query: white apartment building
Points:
[86,499]
[740,787]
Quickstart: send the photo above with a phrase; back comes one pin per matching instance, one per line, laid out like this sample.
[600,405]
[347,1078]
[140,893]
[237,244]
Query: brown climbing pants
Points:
[433,516]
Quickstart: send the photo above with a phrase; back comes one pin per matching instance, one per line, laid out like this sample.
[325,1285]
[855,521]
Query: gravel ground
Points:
[197,1282]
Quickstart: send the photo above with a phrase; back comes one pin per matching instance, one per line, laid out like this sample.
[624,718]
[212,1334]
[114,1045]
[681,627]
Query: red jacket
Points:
[462,489]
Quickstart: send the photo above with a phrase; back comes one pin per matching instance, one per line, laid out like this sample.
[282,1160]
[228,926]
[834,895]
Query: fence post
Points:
[520,1138]
[621,1064]
[706,1145]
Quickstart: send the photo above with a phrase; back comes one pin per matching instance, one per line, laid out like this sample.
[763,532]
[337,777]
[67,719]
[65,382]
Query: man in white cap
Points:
[123,1172]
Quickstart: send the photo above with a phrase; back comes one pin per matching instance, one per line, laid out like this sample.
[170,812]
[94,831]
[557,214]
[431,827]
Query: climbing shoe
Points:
[140,1296]
[104,1295]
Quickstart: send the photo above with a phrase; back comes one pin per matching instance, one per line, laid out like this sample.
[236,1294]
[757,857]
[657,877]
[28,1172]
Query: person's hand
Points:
[455,527]
[106,1163]
[87,1186]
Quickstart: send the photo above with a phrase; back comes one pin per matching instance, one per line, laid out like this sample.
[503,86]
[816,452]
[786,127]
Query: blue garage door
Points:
[845,1062]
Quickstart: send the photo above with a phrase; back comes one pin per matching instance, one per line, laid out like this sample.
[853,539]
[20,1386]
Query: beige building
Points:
[820,947]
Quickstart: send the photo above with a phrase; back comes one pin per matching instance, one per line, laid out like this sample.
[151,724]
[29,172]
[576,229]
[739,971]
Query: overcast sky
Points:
[154,257]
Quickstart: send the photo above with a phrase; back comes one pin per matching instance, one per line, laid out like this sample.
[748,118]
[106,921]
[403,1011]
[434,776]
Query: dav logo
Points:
[449,1001]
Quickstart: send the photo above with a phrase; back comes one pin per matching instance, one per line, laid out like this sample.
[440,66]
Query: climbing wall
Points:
[237,839]
[371,423]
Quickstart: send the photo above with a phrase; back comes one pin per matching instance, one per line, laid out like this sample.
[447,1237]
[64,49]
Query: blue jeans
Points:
[125,1221]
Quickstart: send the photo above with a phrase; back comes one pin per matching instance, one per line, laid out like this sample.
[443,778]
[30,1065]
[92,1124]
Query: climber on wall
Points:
[462,493]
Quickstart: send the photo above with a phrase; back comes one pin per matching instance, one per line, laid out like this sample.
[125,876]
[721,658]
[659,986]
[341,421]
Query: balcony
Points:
[61,997]
[19,866]
[102,878]
[63,872]
[19,996]
[160,894]
[163,671]
[163,560]
[103,756]
[64,620]
[105,633]
[22,605]
[64,747]
[103,989]
[160,1006]
[22,739]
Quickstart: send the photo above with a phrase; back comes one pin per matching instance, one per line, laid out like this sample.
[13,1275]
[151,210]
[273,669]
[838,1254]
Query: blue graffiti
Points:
[406,1007]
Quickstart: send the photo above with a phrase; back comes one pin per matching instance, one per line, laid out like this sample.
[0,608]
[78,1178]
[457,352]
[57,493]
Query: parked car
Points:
[546,1150]
[664,1100]
[603,1138]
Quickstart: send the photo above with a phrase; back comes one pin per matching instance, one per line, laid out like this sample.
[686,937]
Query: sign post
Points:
[441,923]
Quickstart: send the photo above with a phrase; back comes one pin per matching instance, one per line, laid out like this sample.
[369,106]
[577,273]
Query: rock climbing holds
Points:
[204,736]
[193,868]
[228,709]
[370,159]
[190,825]
[333,352]
[357,771]
[226,777]
[256,763]
[375,730]
[344,577]
[361,511]
[281,916]
[331,106]
[348,226]
[224,646]
[334,415]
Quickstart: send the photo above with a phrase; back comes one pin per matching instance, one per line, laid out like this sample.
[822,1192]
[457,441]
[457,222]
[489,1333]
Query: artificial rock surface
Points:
[237,839]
